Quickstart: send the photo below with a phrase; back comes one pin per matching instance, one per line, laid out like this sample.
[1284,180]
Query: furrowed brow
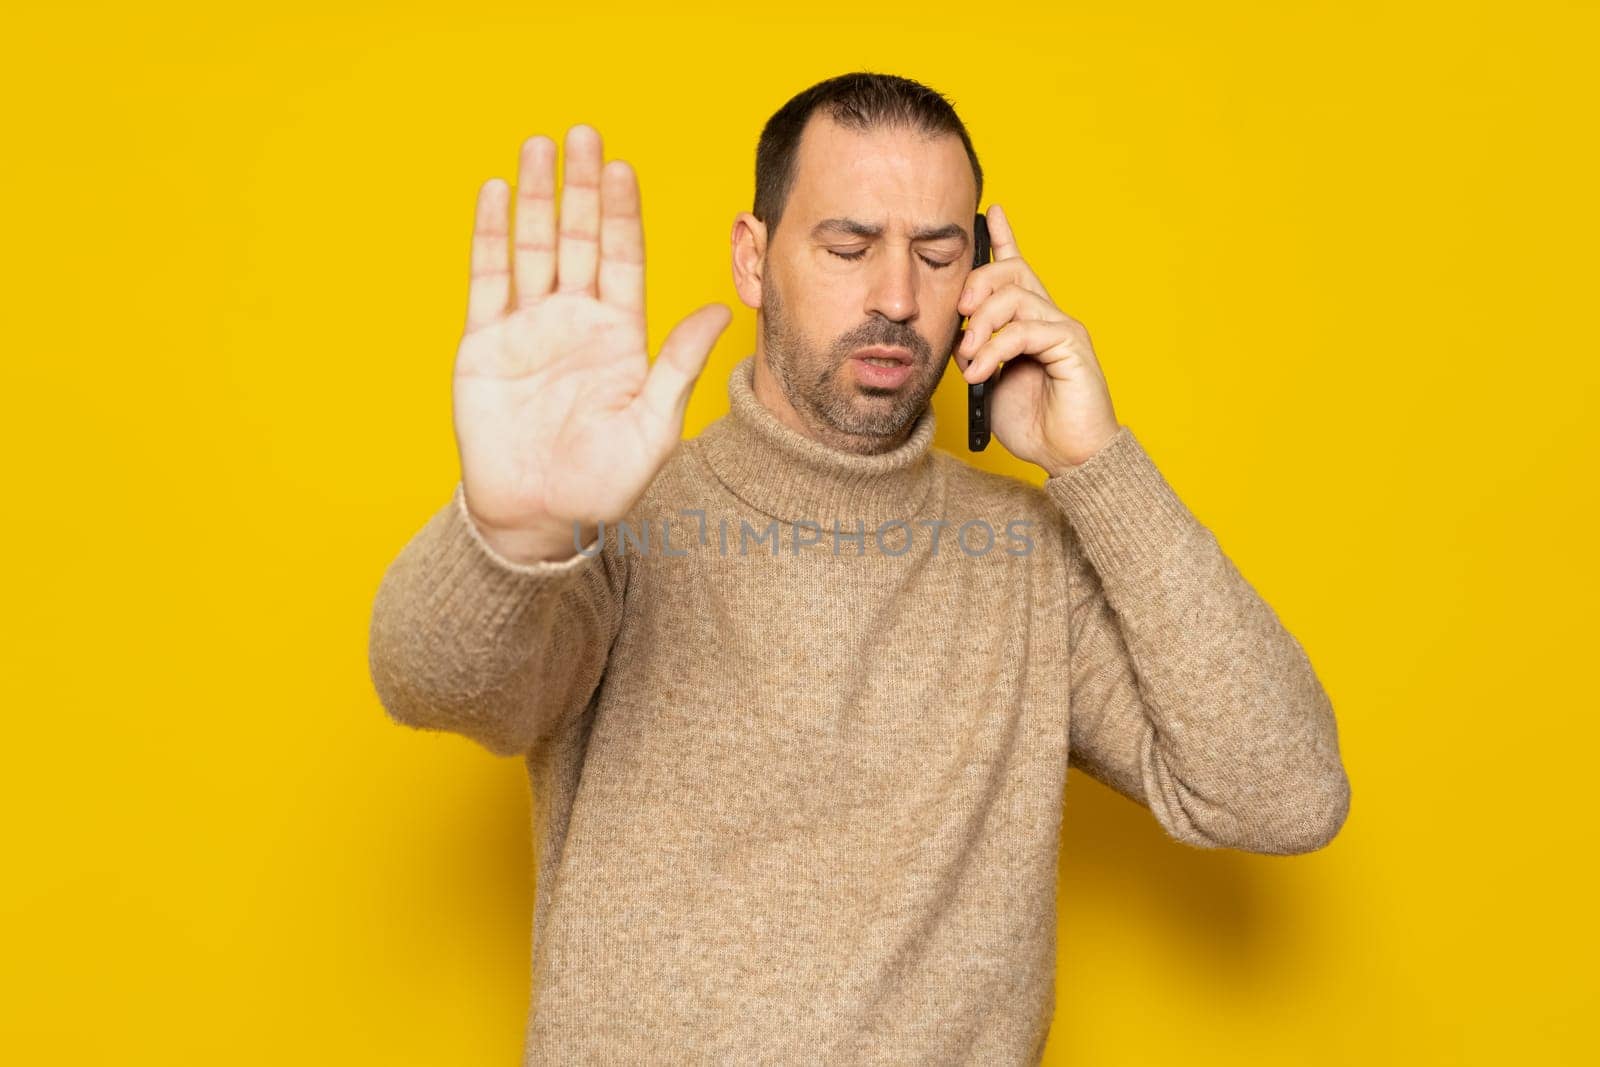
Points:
[849,226]
[856,228]
[940,233]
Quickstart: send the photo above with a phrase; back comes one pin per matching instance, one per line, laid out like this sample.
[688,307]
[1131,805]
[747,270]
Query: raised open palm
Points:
[560,417]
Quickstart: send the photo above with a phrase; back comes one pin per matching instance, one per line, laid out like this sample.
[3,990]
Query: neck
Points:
[786,473]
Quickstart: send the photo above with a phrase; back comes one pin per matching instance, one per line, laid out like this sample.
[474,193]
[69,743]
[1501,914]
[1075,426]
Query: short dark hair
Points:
[858,101]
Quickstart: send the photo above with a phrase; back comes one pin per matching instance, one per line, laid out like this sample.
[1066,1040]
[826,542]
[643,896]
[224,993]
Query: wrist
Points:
[1062,463]
[541,543]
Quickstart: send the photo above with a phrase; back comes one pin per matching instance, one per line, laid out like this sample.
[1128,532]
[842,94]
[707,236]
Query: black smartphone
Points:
[979,394]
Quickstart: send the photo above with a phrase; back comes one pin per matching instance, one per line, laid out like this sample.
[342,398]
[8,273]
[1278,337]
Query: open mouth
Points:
[884,356]
[882,367]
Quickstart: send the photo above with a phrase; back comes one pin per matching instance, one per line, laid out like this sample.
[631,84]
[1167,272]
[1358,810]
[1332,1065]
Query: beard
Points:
[820,384]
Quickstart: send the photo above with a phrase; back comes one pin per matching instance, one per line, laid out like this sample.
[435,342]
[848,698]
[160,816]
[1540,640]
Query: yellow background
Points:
[1337,261]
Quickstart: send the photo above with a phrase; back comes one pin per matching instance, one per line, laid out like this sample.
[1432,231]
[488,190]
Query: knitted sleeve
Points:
[463,640]
[1188,694]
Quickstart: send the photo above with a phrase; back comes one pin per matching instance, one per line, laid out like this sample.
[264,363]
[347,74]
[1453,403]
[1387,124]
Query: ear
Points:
[749,250]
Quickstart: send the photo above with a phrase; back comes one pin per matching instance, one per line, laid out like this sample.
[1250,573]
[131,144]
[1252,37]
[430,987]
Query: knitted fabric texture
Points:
[797,793]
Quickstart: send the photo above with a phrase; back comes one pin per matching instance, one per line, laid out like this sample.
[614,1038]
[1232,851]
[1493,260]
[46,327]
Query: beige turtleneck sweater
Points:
[800,805]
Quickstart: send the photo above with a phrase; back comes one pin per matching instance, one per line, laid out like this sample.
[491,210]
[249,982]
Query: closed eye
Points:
[858,253]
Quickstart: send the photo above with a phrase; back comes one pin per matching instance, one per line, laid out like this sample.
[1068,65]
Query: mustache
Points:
[883,332]
[888,333]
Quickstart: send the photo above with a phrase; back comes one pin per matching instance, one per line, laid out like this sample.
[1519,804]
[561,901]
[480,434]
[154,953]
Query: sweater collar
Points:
[790,477]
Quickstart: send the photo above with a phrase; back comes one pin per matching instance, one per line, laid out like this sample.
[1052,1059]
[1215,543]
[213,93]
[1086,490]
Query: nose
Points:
[893,286]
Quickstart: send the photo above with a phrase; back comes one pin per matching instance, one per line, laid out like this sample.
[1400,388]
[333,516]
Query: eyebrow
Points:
[861,229]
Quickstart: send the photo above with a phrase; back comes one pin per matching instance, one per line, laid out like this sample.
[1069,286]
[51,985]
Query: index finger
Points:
[1001,239]
[621,238]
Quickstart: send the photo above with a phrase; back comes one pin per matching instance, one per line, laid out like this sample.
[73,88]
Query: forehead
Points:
[892,175]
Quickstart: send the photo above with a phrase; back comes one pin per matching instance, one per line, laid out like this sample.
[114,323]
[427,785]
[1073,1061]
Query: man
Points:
[798,736]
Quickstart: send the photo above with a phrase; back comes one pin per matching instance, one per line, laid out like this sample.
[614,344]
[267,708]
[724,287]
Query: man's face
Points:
[872,249]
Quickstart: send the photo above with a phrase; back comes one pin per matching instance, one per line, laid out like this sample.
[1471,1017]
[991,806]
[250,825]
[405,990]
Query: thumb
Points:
[683,356]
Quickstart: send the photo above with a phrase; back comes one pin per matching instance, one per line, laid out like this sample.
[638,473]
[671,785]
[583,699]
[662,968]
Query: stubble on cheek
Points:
[818,378]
